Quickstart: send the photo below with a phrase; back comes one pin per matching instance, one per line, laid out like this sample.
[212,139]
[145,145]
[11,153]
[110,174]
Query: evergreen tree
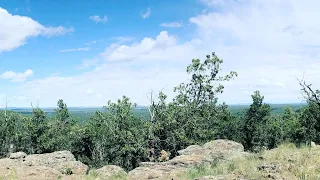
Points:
[255,123]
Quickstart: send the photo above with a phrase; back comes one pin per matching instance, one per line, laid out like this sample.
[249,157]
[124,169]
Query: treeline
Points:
[119,137]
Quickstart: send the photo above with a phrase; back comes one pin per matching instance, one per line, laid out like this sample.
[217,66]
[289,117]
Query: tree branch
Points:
[308,93]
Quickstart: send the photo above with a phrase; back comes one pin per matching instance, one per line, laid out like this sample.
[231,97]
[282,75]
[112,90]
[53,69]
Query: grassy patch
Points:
[93,175]
[119,176]
[291,162]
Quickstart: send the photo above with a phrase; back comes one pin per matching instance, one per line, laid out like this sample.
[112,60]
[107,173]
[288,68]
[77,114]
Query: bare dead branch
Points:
[308,93]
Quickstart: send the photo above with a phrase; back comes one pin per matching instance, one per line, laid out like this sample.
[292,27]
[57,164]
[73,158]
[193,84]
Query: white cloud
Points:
[146,14]
[16,77]
[99,19]
[269,43]
[172,24]
[53,31]
[275,40]
[109,82]
[77,49]
[146,69]
[15,30]
[141,50]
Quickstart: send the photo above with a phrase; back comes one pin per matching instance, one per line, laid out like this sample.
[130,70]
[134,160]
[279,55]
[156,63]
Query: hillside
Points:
[283,163]
[215,160]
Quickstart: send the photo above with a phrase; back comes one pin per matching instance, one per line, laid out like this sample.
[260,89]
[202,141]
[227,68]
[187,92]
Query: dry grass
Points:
[11,176]
[95,176]
[291,163]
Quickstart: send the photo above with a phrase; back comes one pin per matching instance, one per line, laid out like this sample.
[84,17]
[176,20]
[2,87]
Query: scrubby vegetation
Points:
[121,137]
[285,162]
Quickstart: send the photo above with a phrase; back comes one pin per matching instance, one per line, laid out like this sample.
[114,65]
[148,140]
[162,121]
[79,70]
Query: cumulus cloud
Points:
[171,24]
[99,19]
[16,77]
[15,30]
[144,49]
[146,14]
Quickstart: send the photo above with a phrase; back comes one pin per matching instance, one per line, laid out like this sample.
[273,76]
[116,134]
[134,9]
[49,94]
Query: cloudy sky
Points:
[89,52]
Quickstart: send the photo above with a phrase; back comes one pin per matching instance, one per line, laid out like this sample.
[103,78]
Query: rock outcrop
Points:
[63,165]
[191,156]
[28,173]
[41,166]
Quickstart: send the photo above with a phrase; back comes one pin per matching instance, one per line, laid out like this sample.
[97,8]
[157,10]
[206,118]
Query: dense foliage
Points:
[124,137]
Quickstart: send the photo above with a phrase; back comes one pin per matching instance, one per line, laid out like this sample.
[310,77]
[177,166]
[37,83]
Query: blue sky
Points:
[89,52]
[123,20]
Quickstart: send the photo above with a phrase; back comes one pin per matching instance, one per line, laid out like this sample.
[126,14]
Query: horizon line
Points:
[231,104]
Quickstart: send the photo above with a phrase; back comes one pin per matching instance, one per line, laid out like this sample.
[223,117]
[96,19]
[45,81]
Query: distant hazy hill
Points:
[276,108]
[142,110]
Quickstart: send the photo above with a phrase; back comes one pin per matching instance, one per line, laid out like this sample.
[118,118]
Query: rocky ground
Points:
[192,156]
[216,160]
